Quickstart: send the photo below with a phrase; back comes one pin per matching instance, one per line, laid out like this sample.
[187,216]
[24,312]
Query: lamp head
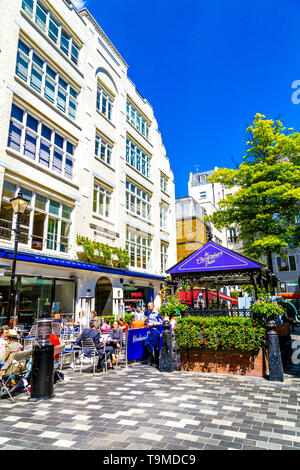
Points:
[19,204]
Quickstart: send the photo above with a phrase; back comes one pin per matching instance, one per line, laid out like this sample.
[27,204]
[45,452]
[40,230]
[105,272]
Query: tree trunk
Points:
[270,263]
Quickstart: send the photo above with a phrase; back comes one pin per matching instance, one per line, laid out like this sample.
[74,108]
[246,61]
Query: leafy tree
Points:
[265,206]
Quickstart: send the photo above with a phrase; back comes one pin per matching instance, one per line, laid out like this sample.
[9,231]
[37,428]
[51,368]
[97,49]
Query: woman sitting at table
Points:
[114,341]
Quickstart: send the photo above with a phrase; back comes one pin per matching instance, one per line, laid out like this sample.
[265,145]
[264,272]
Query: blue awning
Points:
[74,264]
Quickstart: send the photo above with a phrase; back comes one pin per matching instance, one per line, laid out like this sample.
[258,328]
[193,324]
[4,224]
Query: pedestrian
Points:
[151,347]
[93,333]
[139,314]
[154,319]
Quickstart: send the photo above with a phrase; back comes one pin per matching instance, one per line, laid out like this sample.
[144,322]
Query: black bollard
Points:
[275,361]
[166,358]
[42,372]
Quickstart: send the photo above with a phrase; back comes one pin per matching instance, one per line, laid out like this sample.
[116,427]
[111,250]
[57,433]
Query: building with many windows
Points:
[208,196]
[84,147]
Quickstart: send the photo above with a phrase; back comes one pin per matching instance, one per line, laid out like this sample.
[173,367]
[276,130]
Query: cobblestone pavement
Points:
[141,408]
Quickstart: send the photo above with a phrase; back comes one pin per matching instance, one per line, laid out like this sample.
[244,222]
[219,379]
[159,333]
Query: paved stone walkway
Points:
[140,408]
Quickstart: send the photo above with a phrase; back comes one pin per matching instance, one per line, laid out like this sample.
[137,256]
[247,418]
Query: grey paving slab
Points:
[178,411]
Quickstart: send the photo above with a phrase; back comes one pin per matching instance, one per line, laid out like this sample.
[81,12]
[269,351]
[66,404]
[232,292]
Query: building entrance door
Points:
[103,297]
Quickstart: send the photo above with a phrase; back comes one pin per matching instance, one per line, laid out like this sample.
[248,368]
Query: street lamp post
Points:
[19,205]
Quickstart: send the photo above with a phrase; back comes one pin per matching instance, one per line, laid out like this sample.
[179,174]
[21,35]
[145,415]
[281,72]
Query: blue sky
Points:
[207,67]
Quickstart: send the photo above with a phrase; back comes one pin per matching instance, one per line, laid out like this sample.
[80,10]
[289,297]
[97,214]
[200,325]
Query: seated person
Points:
[93,333]
[13,346]
[123,325]
[105,327]
[114,341]
[54,339]
[3,344]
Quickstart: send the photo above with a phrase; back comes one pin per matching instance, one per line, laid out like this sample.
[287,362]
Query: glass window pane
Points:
[292,263]
[32,123]
[9,190]
[40,202]
[6,216]
[52,233]
[17,113]
[57,161]
[44,153]
[22,66]
[27,6]
[54,207]
[59,140]
[46,132]
[53,30]
[66,212]
[65,296]
[36,78]
[40,17]
[64,42]
[30,145]
[14,136]
[38,230]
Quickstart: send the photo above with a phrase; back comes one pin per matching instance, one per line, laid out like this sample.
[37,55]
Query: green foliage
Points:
[235,294]
[265,308]
[172,307]
[226,333]
[266,204]
[102,253]
[111,318]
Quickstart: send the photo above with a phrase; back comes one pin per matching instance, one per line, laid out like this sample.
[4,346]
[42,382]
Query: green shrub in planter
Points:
[111,318]
[265,308]
[227,333]
[172,307]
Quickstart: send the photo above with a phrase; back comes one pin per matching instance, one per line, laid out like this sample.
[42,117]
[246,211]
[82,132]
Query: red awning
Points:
[186,296]
[290,295]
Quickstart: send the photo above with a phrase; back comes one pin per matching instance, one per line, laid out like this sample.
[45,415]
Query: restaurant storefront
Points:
[38,298]
[137,295]
[49,286]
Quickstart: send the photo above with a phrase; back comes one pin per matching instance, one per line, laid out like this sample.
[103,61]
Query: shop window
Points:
[46,223]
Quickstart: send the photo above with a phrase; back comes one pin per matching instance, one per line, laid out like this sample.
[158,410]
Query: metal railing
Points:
[209,312]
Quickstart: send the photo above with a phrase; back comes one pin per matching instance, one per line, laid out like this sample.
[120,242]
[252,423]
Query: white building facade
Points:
[84,147]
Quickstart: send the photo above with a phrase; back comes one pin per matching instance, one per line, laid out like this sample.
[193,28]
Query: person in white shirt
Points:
[3,344]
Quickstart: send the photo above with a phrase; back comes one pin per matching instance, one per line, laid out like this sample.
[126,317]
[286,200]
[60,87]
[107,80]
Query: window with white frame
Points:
[137,158]
[104,102]
[138,201]
[138,245]
[102,200]
[38,142]
[202,194]
[286,264]
[137,120]
[51,26]
[163,183]
[44,79]
[163,212]
[103,149]
[163,256]
[45,225]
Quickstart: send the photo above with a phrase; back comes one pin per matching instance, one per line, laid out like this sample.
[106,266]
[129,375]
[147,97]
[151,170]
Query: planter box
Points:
[224,362]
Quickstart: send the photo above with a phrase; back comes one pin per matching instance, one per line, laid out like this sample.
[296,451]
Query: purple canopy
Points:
[213,257]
